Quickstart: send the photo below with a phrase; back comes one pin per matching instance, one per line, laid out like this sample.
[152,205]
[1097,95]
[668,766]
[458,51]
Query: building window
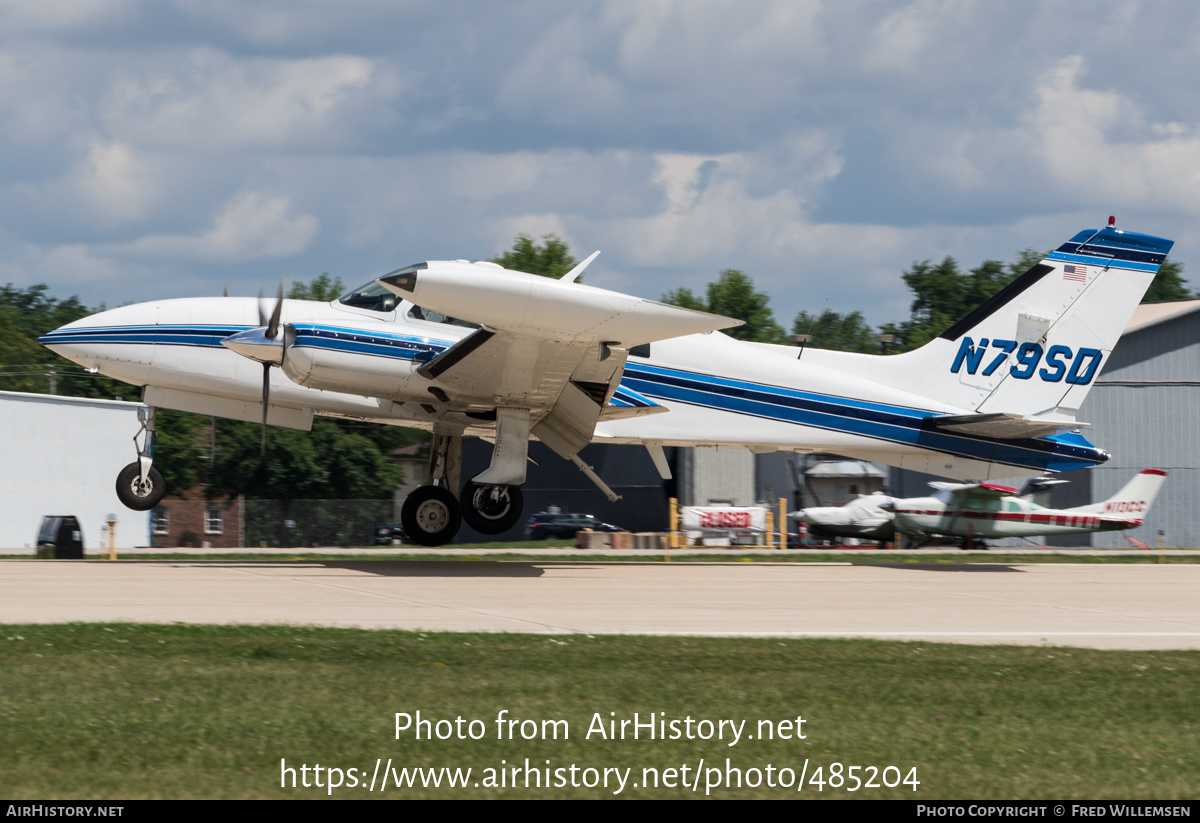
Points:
[214,522]
[162,520]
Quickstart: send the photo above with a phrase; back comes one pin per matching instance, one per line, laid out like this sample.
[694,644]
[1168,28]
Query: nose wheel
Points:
[140,486]
[491,509]
[137,492]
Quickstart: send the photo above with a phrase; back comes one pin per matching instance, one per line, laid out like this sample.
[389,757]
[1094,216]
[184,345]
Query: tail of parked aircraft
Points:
[1133,501]
[1023,362]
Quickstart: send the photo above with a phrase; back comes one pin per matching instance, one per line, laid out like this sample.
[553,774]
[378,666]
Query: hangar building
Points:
[61,457]
[1145,411]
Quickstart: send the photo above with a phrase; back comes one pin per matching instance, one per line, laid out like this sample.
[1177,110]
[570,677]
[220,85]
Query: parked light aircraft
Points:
[870,516]
[976,511]
[996,395]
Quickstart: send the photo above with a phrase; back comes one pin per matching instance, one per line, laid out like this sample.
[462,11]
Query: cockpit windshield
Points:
[375,297]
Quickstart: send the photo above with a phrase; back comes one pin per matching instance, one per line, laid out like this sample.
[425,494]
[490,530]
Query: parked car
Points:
[545,526]
[388,535]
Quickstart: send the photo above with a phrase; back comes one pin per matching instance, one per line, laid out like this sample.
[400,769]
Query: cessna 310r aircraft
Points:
[472,349]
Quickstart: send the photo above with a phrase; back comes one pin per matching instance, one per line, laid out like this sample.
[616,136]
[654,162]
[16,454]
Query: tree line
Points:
[341,459]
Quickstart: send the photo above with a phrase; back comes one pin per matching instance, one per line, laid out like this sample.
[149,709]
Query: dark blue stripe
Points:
[894,424]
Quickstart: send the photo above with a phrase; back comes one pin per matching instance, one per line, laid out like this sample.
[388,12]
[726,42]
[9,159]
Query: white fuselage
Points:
[1000,517]
[361,363]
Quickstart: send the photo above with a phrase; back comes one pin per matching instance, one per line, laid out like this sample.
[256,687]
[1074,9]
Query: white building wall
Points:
[717,474]
[61,456]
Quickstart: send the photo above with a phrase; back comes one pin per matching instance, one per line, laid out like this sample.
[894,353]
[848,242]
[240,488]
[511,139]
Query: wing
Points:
[960,493]
[556,348]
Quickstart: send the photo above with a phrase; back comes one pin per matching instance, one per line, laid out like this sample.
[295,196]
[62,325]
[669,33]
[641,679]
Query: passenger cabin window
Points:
[418,313]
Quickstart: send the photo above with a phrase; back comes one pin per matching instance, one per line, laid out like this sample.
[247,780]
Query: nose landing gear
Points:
[140,486]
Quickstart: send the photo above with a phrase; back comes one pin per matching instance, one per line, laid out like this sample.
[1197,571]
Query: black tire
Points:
[487,513]
[430,516]
[140,496]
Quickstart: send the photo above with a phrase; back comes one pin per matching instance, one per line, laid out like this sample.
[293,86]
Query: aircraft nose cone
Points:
[77,340]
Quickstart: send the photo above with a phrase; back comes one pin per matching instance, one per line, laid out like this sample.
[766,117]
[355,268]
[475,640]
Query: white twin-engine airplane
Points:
[472,349]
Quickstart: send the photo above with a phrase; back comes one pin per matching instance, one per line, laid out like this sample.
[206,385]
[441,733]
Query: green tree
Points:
[944,294]
[837,332]
[733,294]
[26,365]
[328,462]
[1168,284]
[550,259]
[322,289]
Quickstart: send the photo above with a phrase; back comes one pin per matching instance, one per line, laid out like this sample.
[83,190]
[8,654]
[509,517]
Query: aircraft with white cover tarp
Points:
[472,349]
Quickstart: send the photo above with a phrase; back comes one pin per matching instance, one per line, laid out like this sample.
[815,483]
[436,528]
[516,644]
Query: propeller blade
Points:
[265,400]
[273,325]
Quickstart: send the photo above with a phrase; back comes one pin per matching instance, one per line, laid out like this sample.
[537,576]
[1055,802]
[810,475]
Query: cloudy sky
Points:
[157,148]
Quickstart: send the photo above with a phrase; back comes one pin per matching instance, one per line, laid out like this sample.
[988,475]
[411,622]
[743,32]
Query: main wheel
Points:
[430,516]
[137,495]
[491,509]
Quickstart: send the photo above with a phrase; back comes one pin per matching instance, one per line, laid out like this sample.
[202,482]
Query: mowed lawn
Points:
[135,711]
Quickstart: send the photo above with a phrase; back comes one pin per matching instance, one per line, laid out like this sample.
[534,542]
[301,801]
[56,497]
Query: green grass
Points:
[132,711]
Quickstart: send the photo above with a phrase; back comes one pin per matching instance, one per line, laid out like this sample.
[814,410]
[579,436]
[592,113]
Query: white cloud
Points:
[117,185]
[215,102]
[1097,145]
[251,226]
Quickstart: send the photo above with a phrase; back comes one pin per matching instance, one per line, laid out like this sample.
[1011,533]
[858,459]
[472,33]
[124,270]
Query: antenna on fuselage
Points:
[806,338]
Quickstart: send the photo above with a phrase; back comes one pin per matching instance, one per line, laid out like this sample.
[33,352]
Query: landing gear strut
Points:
[491,502]
[140,486]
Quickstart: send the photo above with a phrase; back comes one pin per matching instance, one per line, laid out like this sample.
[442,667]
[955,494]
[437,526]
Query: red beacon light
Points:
[1112,221]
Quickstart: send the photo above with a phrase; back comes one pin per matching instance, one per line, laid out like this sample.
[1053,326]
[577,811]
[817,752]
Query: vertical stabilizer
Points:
[1036,347]
[1132,501]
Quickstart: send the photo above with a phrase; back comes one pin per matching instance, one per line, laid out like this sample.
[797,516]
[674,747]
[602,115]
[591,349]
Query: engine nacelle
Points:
[374,362]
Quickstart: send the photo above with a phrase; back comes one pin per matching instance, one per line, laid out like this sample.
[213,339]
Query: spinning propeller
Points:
[271,333]
[263,344]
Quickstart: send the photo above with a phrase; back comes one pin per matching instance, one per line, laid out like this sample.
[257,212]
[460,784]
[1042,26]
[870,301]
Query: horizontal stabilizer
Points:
[1001,425]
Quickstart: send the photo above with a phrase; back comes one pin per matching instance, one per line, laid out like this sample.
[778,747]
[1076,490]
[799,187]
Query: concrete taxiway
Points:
[1117,606]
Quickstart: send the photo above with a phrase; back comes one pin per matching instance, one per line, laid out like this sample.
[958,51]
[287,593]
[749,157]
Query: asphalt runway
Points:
[1119,606]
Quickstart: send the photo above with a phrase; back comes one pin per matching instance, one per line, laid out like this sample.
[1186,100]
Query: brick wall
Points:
[189,524]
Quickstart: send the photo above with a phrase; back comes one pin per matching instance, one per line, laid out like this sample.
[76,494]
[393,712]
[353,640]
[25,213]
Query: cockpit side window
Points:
[418,313]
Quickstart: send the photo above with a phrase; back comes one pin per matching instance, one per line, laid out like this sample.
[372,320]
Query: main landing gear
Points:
[140,486]
[491,502]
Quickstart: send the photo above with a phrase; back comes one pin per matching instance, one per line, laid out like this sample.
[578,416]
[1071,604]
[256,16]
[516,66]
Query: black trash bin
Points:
[60,538]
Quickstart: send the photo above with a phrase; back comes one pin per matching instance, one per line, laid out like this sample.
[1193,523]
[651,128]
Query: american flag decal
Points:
[1078,273]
